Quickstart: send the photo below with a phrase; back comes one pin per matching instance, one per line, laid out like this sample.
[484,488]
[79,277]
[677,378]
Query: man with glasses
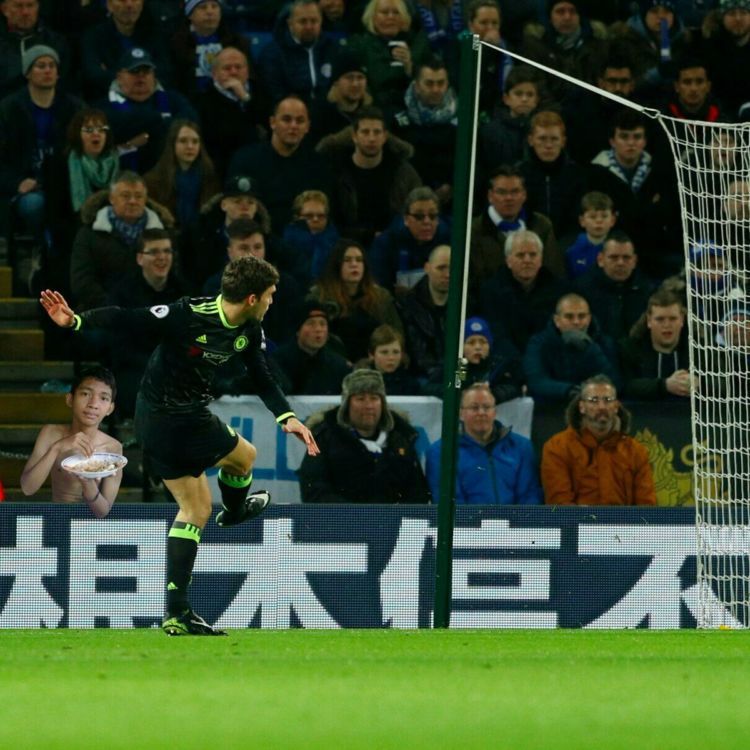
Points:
[398,255]
[507,212]
[594,461]
[496,466]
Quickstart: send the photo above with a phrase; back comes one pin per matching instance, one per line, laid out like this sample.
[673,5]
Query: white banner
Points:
[280,455]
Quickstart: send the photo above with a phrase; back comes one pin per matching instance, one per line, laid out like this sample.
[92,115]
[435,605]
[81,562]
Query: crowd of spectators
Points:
[143,143]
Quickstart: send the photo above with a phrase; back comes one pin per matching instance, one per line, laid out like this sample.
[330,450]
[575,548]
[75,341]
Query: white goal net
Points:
[712,163]
[713,172]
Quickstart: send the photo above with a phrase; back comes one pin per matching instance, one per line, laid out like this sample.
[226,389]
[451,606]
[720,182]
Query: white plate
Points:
[114,462]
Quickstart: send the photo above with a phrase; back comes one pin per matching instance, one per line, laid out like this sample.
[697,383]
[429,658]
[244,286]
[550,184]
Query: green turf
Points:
[375,689]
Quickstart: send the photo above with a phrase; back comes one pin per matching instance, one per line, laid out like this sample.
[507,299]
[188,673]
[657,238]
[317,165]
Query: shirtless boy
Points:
[91,399]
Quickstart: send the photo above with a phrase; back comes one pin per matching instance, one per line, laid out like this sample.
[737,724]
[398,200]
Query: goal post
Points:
[712,165]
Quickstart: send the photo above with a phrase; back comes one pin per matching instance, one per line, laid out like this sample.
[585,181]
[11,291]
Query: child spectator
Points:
[311,234]
[597,217]
[91,400]
[486,363]
[387,354]
[503,139]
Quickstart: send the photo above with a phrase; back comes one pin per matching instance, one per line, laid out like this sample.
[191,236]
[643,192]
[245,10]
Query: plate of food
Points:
[95,466]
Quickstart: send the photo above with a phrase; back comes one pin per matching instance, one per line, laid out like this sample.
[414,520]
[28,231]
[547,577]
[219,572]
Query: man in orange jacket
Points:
[594,461]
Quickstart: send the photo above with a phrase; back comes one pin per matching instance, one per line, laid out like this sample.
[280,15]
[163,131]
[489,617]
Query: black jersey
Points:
[195,339]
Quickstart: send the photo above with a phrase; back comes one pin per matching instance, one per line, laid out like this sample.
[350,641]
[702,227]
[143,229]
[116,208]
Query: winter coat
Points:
[503,472]
[345,471]
[18,145]
[318,374]
[616,305]
[345,200]
[388,83]
[288,67]
[554,368]
[579,470]
[395,250]
[645,370]
[100,258]
[424,329]
[488,247]
[515,314]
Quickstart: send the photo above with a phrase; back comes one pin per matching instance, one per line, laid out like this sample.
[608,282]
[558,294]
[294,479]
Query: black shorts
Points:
[180,445]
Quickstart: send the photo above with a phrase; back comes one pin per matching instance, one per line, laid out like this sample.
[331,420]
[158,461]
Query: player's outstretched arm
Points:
[57,308]
[294,427]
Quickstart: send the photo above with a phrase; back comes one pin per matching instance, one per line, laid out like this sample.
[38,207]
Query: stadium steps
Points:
[23,407]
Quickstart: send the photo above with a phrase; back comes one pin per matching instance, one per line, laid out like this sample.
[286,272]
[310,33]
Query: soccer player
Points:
[173,423]
[91,399]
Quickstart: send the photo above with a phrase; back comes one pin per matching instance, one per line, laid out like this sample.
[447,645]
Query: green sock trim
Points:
[232,480]
[185,531]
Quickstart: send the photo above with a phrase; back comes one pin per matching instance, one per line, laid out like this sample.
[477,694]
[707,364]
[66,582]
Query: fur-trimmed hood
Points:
[93,205]
[338,145]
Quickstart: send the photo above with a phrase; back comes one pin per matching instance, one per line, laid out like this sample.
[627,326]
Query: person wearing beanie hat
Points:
[32,54]
[23,29]
[367,453]
[308,365]
[33,123]
[200,35]
[347,96]
[499,367]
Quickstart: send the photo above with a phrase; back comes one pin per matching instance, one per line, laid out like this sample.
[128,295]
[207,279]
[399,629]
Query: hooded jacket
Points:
[99,258]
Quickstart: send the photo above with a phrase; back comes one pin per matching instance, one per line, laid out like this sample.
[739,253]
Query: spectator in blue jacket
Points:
[298,59]
[495,465]
[567,352]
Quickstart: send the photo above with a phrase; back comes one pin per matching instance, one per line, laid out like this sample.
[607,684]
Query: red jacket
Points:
[577,469]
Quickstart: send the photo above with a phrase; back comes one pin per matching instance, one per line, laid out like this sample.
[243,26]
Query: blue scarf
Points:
[128,233]
[206,50]
[507,226]
[437,35]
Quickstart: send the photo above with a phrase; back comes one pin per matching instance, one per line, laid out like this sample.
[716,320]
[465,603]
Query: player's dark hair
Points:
[626,119]
[506,170]
[246,276]
[522,74]
[431,63]
[102,374]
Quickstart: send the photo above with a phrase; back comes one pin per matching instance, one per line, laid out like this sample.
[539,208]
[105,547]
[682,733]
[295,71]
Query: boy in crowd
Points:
[91,399]
[597,217]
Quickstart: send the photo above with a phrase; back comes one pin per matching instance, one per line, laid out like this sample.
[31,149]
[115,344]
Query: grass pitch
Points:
[299,689]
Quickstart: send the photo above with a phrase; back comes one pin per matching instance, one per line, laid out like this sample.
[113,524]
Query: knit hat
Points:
[552,3]
[363,381]
[313,309]
[346,62]
[135,58]
[32,54]
[478,327]
[239,185]
[701,249]
[191,5]
[727,5]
